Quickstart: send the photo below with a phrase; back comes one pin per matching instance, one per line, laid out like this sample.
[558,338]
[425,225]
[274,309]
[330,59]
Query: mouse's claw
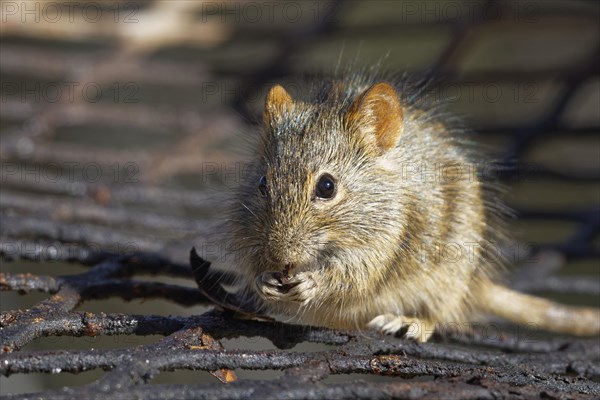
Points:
[414,328]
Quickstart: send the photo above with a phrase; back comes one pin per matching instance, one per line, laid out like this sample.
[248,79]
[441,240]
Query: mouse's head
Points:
[322,189]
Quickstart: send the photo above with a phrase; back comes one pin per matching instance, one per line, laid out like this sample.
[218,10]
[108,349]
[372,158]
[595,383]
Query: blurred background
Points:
[123,124]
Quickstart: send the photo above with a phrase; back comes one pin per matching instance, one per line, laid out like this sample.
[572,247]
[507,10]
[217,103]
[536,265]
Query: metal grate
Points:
[111,184]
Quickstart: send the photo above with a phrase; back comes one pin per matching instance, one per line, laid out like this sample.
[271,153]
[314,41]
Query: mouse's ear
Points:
[377,113]
[278,101]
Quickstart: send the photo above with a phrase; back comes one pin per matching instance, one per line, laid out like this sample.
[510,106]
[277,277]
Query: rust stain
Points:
[6,319]
[199,347]
[101,195]
[224,375]
[386,364]
[93,329]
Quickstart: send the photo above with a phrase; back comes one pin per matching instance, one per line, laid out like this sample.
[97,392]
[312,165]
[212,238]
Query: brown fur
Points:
[378,253]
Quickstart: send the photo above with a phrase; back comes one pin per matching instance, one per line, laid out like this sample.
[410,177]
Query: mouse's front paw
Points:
[409,328]
[302,287]
[269,285]
[298,288]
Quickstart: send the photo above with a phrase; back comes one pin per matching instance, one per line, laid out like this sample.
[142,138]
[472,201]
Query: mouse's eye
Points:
[326,187]
[262,185]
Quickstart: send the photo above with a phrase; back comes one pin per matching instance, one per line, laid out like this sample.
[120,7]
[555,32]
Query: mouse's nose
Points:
[284,259]
[285,254]
[286,244]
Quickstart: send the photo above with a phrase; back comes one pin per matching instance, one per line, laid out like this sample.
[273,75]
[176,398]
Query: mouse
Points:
[363,209]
